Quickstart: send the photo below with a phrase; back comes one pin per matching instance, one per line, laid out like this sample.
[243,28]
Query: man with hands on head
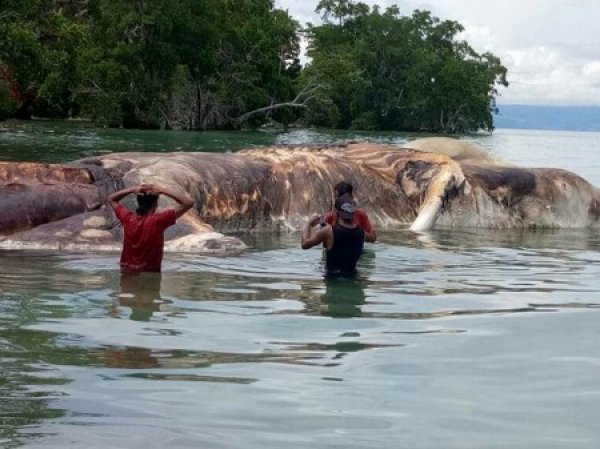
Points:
[144,229]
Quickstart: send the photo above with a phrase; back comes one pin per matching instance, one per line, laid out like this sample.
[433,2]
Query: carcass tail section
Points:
[430,184]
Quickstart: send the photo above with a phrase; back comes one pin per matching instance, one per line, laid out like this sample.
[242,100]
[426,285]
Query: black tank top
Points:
[347,247]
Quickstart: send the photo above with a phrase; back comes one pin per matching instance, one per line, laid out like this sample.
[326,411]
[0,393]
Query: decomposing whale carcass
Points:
[498,194]
[437,182]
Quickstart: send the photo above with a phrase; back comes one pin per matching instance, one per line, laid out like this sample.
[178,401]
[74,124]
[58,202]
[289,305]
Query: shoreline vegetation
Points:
[235,64]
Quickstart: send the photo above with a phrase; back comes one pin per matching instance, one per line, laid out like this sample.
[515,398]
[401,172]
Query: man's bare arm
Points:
[184,202]
[311,238]
[114,198]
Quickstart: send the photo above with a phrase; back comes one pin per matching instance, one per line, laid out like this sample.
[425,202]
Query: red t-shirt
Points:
[360,218]
[144,238]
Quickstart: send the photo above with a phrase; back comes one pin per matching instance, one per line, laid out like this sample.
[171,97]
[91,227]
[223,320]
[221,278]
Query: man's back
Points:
[143,238]
[361,219]
[347,248]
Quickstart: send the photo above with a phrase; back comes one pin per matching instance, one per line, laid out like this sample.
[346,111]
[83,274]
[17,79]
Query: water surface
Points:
[452,339]
[58,141]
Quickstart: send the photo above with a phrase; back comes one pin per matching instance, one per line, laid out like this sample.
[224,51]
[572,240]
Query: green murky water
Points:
[468,338]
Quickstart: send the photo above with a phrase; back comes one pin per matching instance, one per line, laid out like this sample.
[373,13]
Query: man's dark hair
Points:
[343,188]
[146,203]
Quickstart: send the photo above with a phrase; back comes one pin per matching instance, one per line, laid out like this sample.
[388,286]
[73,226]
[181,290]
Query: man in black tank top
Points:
[343,241]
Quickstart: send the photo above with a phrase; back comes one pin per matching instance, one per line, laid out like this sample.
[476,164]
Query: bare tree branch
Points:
[301,101]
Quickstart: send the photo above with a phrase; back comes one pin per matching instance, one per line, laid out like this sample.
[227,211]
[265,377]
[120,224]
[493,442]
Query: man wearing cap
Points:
[343,241]
[361,218]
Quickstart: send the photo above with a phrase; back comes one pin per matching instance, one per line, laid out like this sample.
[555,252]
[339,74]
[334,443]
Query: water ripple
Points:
[433,327]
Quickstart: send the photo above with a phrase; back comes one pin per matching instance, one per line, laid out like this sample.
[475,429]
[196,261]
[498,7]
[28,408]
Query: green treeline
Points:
[226,64]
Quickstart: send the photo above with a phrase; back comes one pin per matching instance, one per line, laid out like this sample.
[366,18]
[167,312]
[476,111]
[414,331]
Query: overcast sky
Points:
[550,47]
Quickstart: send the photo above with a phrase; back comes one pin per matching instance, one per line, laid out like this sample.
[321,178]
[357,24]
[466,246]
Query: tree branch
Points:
[300,101]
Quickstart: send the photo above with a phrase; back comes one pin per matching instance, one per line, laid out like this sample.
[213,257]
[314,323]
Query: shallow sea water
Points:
[451,339]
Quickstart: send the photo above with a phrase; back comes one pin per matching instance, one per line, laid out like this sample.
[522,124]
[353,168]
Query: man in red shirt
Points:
[144,229]
[344,189]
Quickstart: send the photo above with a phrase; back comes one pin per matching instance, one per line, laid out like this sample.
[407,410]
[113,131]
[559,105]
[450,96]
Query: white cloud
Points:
[550,47]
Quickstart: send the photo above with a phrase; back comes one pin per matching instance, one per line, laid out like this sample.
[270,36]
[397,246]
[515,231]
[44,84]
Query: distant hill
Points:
[568,118]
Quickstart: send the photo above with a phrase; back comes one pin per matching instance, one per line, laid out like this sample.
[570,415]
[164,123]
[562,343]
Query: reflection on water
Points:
[343,297]
[28,393]
[55,141]
[449,339]
[479,335]
[141,293]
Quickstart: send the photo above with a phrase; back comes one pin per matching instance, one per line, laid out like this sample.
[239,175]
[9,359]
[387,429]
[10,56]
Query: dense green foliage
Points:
[185,63]
[205,64]
[387,71]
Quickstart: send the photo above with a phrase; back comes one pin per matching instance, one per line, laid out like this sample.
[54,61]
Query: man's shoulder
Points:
[165,213]
[362,215]
[330,217]
[122,212]
[364,221]
[165,218]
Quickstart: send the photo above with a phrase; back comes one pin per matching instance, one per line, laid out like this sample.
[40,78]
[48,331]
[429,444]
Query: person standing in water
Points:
[343,242]
[144,230]
[361,218]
